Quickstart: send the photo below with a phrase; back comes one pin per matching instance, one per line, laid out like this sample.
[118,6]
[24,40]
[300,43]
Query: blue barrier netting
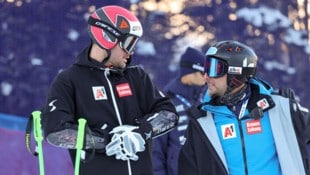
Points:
[13,122]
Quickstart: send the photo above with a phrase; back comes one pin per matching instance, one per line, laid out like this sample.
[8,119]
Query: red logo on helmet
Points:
[123,24]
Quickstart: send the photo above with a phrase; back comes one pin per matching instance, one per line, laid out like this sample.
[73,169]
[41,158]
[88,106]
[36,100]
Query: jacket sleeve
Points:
[186,162]
[159,155]
[159,110]
[301,118]
[307,123]
[306,117]
[59,105]
[301,115]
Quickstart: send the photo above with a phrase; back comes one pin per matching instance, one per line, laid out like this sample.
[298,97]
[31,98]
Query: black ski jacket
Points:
[89,90]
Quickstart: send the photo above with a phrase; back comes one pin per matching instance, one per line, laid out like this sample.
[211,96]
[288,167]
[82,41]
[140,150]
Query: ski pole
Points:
[38,138]
[79,144]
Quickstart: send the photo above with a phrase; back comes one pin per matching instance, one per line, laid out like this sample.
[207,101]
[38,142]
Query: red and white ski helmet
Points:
[110,25]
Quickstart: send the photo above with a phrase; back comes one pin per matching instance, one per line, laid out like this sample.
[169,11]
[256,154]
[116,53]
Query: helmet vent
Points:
[229,49]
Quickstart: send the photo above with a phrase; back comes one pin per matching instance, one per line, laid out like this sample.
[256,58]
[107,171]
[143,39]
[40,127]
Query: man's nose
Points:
[206,76]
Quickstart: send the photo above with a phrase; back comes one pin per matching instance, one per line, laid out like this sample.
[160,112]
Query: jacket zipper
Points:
[106,73]
[240,117]
[243,148]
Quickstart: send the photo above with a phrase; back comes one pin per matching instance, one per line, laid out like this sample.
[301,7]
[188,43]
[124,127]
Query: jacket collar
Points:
[260,97]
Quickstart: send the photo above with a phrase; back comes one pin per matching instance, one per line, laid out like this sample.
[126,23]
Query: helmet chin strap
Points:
[116,70]
[229,98]
[128,61]
[105,60]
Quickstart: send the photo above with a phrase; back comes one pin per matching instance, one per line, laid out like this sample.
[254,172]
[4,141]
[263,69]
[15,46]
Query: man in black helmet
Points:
[122,107]
[248,128]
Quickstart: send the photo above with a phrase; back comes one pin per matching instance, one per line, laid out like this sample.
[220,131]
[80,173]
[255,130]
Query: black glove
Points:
[144,128]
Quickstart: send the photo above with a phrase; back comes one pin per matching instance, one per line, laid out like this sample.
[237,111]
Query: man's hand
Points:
[125,143]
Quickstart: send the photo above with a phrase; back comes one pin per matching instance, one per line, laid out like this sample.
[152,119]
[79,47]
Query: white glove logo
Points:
[125,143]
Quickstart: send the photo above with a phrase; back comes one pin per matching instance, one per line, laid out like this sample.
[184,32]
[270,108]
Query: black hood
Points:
[83,59]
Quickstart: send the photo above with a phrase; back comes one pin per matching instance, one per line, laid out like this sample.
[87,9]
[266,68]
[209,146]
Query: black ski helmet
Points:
[240,59]
[235,59]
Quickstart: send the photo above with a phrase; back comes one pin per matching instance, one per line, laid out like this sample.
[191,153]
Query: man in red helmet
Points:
[248,129]
[122,107]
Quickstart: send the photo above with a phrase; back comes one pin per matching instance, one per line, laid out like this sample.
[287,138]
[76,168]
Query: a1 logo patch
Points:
[263,103]
[228,131]
[99,93]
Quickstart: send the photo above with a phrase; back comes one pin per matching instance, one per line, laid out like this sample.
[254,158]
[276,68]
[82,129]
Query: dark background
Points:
[39,38]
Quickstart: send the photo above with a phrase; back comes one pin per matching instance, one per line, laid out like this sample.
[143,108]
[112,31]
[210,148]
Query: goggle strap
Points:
[248,71]
[105,26]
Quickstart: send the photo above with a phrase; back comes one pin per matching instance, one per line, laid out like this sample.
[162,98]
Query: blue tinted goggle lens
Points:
[129,43]
[215,67]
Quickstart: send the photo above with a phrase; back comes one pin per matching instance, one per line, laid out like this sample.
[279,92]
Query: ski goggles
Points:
[128,43]
[215,67]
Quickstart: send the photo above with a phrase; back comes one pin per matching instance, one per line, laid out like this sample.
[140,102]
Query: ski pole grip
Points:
[37,126]
[80,135]
[37,133]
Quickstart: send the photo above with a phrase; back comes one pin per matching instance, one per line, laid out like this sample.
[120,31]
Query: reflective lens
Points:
[129,43]
[215,67]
